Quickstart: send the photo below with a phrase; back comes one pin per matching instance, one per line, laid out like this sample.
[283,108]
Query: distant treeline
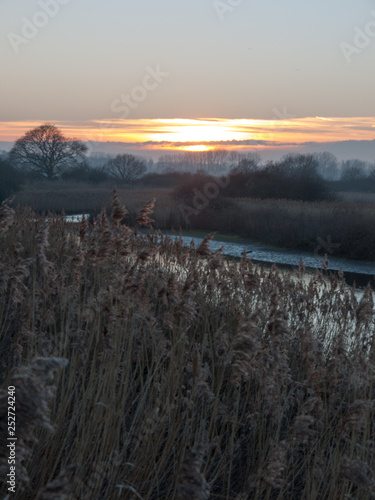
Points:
[295,176]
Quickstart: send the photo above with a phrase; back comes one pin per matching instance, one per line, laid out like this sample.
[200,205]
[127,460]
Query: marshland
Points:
[187,250]
[145,369]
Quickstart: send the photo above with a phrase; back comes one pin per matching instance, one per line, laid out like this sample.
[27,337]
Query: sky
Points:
[163,74]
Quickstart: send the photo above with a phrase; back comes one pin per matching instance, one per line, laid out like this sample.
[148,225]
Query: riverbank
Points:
[339,229]
[359,272]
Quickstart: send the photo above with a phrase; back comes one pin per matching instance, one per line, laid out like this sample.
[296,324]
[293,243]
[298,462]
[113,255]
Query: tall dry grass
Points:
[296,224]
[286,223]
[147,370]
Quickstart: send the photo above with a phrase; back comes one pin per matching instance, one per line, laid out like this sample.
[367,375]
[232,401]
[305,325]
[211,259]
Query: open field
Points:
[63,196]
[178,374]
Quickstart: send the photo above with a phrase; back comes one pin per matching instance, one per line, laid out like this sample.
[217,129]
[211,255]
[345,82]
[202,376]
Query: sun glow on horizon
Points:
[206,134]
[196,148]
[197,131]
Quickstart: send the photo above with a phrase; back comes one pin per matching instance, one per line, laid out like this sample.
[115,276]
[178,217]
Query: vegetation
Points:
[178,374]
[82,173]
[45,151]
[285,223]
[126,168]
[295,177]
[359,185]
[11,179]
[284,203]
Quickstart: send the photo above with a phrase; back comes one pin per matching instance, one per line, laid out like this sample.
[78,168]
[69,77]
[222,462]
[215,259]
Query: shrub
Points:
[295,177]
[10,179]
[84,173]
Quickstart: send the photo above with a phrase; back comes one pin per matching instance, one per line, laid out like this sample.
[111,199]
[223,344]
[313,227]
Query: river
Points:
[362,272]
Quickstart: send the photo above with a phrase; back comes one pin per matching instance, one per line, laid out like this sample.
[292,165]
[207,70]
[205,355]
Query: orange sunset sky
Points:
[203,134]
[162,76]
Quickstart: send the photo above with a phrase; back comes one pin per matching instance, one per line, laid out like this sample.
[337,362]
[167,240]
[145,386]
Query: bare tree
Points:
[248,163]
[328,167]
[353,169]
[125,167]
[45,151]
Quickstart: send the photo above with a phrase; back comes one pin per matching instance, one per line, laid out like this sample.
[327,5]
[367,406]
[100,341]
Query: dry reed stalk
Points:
[59,488]
[358,473]
[32,410]
[192,484]
[364,312]
[143,218]
[204,247]
[275,465]
[7,215]
[246,347]
[119,212]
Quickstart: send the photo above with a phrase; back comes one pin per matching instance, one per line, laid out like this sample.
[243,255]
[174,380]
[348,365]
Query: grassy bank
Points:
[178,374]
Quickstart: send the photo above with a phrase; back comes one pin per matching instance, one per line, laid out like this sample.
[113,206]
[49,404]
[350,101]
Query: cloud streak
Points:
[230,133]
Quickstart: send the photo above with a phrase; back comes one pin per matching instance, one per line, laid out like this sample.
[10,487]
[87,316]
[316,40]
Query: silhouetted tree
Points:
[45,151]
[371,174]
[126,168]
[214,161]
[328,165]
[294,177]
[353,170]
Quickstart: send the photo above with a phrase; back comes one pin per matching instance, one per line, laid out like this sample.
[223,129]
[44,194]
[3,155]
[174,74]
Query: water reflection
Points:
[362,272]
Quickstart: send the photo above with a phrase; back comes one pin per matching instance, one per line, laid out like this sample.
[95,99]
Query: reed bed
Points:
[147,370]
[286,223]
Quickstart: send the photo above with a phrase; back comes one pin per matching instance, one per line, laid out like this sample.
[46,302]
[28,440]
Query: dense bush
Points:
[295,177]
[361,185]
[10,179]
[84,173]
[165,180]
[200,201]
[193,185]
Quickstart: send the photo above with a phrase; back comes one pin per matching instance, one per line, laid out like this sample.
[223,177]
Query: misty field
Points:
[147,370]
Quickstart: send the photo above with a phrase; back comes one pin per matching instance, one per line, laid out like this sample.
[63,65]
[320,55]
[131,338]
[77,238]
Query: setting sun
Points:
[196,148]
[181,134]
[196,131]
